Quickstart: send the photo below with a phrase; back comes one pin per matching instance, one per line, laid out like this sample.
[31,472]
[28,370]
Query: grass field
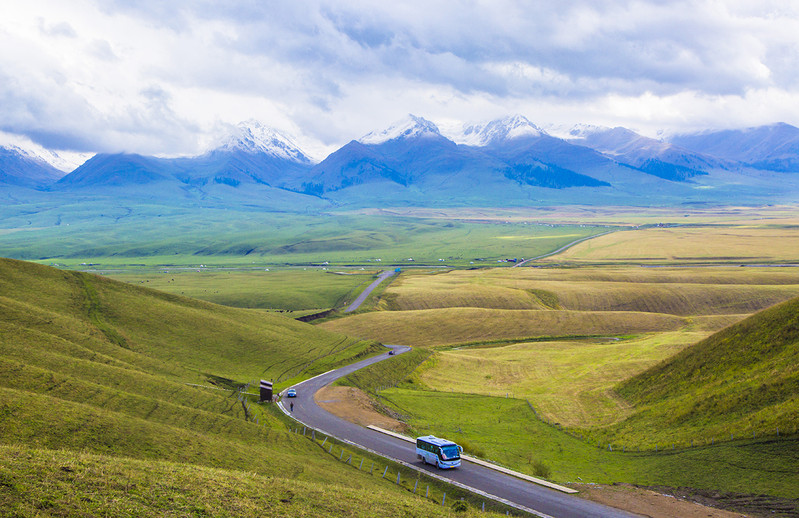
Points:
[123,401]
[564,339]
[288,289]
[150,235]
[451,326]
[570,382]
[507,431]
[600,215]
[676,291]
[711,244]
[743,379]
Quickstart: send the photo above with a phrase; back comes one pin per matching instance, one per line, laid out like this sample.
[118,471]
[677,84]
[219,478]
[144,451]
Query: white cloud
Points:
[163,77]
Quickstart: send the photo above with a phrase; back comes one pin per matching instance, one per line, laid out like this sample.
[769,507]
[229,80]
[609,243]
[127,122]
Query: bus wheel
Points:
[436,464]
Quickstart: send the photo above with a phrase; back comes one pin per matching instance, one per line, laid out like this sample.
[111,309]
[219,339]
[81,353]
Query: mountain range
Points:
[508,161]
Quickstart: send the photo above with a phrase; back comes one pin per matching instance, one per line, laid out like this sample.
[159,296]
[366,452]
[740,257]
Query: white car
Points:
[291,393]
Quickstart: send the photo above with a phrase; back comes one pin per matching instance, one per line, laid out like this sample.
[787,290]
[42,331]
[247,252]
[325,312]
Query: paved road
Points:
[546,502]
[561,249]
[357,303]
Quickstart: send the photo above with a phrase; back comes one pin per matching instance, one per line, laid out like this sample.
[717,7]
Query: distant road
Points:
[564,247]
[357,303]
[541,501]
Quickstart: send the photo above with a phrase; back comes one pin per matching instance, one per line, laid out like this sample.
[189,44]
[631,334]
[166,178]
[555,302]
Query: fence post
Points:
[384,472]
[361,465]
[323,442]
[414,486]
[372,468]
[341,454]
[427,492]
[484,506]
[443,499]
[398,477]
[349,459]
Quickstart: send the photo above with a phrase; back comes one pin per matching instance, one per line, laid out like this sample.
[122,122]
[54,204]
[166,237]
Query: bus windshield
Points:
[450,452]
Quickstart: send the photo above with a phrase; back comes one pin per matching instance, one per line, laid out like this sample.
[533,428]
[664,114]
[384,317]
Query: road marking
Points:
[489,465]
[474,490]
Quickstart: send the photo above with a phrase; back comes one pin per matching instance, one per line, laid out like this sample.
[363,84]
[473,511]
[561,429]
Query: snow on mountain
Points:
[253,137]
[64,161]
[650,155]
[616,141]
[508,128]
[774,146]
[409,127]
[575,131]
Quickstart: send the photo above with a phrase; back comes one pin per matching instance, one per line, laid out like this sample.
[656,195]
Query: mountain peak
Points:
[64,161]
[253,137]
[409,127]
[499,130]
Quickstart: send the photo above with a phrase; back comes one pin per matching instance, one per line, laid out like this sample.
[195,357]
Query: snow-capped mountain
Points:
[253,137]
[407,128]
[24,169]
[650,155]
[64,161]
[496,131]
[773,147]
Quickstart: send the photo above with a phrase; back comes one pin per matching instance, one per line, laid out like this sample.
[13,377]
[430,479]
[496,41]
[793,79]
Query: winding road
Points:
[357,302]
[536,499]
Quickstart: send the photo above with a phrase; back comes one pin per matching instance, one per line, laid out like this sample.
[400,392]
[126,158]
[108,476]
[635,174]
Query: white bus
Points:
[439,452]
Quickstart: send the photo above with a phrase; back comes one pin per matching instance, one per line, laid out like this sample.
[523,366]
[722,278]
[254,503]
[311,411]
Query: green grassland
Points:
[149,235]
[630,216]
[65,483]
[461,326]
[570,381]
[288,289]
[507,431]
[743,379]
[569,342]
[120,400]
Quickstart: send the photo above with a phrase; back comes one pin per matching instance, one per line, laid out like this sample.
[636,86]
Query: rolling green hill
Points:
[742,380]
[120,400]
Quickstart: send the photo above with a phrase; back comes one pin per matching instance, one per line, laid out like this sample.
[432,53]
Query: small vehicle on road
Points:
[291,393]
[439,452]
[391,352]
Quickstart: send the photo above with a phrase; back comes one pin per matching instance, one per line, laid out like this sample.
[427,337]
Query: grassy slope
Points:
[507,431]
[293,289]
[154,330]
[97,414]
[677,291]
[742,379]
[451,326]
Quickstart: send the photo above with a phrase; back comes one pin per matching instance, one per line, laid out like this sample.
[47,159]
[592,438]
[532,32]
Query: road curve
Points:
[564,247]
[546,502]
[357,302]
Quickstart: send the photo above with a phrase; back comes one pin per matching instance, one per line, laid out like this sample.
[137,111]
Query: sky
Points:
[170,78]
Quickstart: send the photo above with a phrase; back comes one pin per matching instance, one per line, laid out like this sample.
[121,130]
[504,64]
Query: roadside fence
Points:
[414,481]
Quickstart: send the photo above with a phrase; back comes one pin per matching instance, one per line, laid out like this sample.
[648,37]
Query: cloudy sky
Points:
[168,77]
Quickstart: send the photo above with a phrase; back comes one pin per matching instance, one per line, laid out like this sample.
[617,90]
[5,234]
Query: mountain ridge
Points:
[507,160]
